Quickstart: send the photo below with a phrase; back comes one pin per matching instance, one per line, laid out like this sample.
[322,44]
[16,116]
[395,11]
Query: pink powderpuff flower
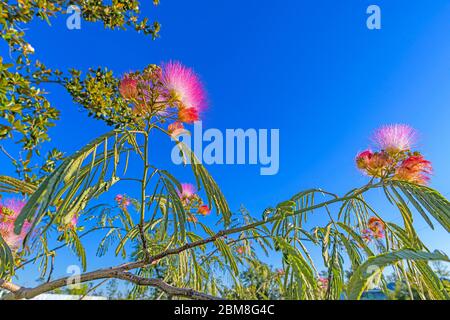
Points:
[73,222]
[187,191]
[183,85]
[204,210]
[395,138]
[126,202]
[376,225]
[363,159]
[414,169]
[367,235]
[188,115]
[323,283]
[9,211]
[122,200]
[175,129]
[128,87]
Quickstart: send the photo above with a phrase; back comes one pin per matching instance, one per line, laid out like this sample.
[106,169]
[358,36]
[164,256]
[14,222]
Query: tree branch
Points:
[120,272]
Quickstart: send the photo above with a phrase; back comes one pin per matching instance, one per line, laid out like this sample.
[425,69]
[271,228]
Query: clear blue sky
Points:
[310,68]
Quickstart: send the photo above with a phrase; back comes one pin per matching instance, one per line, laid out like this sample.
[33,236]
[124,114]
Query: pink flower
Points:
[188,115]
[395,138]
[187,191]
[204,210]
[122,200]
[128,87]
[183,85]
[323,283]
[175,129]
[73,222]
[9,211]
[363,159]
[414,169]
[376,225]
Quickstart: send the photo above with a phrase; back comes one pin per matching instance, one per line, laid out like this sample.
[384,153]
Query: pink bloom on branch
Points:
[122,200]
[118,198]
[323,283]
[9,211]
[414,169]
[395,138]
[363,159]
[128,87]
[204,210]
[183,85]
[73,222]
[187,191]
[188,115]
[175,129]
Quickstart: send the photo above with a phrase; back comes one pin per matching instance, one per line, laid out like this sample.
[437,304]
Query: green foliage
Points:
[157,228]
[374,265]
[26,113]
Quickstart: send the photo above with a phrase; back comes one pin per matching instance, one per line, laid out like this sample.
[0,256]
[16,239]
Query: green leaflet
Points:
[43,197]
[358,282]
[13,185]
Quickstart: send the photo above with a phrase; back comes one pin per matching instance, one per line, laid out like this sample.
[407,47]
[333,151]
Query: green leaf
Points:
[360,278]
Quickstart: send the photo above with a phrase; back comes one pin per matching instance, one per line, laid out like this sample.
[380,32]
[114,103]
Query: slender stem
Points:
[143,195]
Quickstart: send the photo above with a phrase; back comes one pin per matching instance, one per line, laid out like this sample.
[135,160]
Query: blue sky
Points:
[309,68]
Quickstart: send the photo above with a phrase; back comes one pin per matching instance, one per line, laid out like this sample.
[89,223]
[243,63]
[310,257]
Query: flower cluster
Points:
[395,159]
[323,283]
[172,91]
[192,202]
[375,230]
[9,211]
[122,201]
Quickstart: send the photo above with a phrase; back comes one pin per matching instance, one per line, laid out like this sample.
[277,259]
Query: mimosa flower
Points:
[323,283]
[240,250]
[204,210]
[374,164]
[175,129]
[188,115]
[183,85]
[187,191]
[128,87]
[378,235]
[367,235]
[376,225]
[122,200]
[73,222]
[395,138]
[9,211]
[363,159]
[414,169]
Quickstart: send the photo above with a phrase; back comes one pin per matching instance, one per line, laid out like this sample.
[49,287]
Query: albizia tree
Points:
[161,234]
